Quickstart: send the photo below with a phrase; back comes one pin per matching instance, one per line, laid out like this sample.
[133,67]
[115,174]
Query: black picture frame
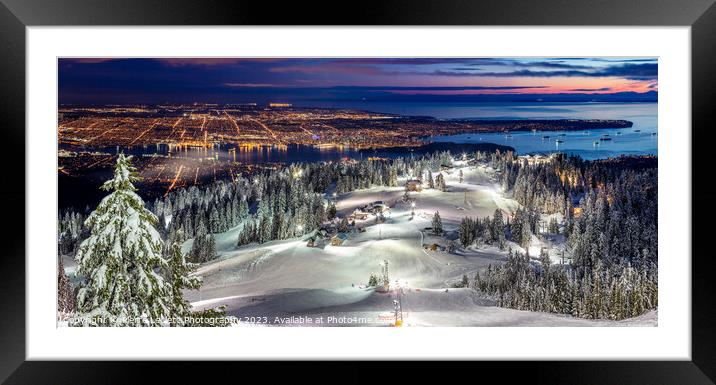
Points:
[16,15]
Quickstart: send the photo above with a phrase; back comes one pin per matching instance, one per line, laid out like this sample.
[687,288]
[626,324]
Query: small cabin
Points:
[311,242]
[338,239]
[359,214]
[414,185]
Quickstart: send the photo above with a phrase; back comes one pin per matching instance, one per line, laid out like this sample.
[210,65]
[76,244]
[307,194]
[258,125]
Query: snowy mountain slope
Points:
[286,278]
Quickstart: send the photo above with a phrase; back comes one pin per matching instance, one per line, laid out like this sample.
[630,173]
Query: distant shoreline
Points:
[431,147]
[485,125]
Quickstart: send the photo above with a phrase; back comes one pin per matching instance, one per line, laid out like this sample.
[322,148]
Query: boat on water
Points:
[596,143]
[545,137]
[637,130]
[562,134]
[605,138]
[619,133]
[653,134]
[559,141]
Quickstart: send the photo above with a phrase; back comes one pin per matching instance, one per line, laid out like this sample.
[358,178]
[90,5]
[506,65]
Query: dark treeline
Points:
[496,230]
[487,230]
[615,292]
[611,237]
[71,231]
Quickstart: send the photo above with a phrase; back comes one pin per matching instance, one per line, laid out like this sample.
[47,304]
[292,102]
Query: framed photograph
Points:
[410,182]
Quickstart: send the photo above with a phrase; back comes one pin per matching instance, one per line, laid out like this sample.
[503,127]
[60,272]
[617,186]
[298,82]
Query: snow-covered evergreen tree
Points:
[178,279]
[437,224]
[214,221]
[65,293]
[69,232]
[440,182]
[466,231]
[545,263]
[393,176]
[431,181]
[203,249]
[199,245]
[498,229]
[526,236]
[343,225]
[210,247]
[373,280]
[120,258]
[331,213]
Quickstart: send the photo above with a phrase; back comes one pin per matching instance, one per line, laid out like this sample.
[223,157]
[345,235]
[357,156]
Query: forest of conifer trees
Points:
[611,238]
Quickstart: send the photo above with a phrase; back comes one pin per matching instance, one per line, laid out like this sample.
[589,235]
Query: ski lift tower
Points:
[398,309]
[398,304]
[384,272]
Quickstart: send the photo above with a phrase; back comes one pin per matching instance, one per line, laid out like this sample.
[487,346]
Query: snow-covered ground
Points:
[288,283]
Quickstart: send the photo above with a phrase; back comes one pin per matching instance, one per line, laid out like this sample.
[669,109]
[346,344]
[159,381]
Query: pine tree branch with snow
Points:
[179,279]
[65,292]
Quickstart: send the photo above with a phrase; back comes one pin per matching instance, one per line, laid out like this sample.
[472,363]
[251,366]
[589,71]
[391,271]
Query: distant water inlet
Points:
[593,144]
[231,152]
[641,139]
[291,153]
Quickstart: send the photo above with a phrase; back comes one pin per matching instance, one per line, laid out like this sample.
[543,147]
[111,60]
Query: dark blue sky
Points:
[306,80]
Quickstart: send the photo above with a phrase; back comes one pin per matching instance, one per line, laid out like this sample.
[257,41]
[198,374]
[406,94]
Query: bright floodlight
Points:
[412,204]
[299,227]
